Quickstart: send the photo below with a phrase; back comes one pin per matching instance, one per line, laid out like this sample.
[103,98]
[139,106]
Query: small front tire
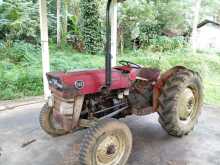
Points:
[109,142]
[48,124]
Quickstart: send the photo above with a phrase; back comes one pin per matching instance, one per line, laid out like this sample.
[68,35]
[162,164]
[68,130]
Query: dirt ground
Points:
[22,142]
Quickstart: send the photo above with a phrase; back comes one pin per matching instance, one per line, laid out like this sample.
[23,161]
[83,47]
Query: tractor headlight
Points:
[56,83]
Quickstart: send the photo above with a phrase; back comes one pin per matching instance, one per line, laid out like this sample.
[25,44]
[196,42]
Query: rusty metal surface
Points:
[64,121]
[149,73]
[68,122]
[141,97]
[78,104]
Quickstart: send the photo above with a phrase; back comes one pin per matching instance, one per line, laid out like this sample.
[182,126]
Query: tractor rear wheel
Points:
[48,124]
[180,102]
[109,142]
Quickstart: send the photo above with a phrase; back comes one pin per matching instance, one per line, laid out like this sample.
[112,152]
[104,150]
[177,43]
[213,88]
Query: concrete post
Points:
[59,23]
[114,8]
[44,45]
[195,23]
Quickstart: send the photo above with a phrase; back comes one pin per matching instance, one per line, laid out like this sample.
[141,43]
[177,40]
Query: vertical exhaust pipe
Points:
[108,56]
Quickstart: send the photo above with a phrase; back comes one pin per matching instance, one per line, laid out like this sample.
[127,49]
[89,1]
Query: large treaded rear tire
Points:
[47,124]
[171,102]
[93,142]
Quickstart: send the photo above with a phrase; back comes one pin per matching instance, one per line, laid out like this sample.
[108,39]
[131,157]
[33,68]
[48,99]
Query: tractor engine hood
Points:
[71,84]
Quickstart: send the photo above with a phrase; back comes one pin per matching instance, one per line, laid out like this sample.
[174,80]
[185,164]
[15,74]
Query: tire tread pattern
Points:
[91,137]
[46,124]
[168,99]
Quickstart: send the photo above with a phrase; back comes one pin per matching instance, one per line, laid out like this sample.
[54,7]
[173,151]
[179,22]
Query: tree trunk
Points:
[58,23]
[65,19]
[195,23]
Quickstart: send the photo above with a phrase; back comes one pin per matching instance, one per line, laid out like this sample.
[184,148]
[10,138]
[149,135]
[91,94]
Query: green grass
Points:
[22,76]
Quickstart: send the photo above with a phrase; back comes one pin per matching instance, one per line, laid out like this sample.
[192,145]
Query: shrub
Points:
[90,26]
[148,32]
[20,70]
[74,36]
[163,43]
[19,20]
[20,52]
[17,81]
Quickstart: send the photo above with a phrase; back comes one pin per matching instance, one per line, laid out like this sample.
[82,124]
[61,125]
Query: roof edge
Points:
[206,21]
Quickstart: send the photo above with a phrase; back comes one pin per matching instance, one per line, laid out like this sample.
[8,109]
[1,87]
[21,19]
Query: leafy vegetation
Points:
[19,21]
[148,19]
[23,76]
[144,36]
[163,43]
[90,26]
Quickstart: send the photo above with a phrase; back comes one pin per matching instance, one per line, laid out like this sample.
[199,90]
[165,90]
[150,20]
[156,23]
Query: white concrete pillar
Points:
[59,23]
[195,24]
[114,27]
[44,45]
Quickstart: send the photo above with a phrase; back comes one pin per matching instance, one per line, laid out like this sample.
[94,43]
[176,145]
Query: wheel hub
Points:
[186,105]
[110,150]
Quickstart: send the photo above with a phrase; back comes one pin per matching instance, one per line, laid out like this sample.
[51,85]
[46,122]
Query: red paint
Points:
[94,80]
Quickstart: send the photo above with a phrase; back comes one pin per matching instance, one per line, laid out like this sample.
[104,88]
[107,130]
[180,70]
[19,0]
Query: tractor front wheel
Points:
[48,124]
[181,102]
[107,143]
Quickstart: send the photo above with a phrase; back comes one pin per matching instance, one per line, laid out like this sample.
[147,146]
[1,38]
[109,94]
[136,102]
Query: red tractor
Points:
[95,99]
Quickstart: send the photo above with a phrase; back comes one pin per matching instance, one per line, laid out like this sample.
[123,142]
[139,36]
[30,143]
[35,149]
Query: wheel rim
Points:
[187,105]
[110,149]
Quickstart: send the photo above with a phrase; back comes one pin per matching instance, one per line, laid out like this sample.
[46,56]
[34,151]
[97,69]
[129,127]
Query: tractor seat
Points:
[148,74]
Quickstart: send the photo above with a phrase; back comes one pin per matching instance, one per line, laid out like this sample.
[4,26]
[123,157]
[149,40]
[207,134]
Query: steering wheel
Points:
[132,65]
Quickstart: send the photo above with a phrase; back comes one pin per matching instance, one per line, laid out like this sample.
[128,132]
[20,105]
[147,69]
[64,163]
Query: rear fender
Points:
[160,84]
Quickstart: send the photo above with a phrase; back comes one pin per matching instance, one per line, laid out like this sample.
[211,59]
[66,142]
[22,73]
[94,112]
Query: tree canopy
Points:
[85,19]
